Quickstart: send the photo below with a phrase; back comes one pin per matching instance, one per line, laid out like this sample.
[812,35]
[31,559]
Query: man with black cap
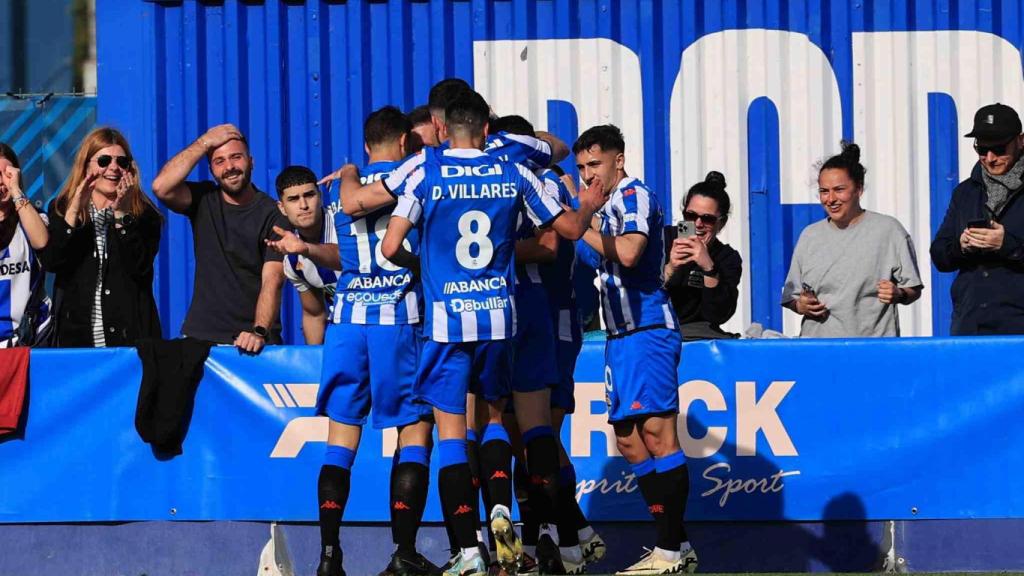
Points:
[982,235]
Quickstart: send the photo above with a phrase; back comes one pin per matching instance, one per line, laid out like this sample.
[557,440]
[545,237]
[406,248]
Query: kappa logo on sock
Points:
[499,474]
[399,505]
[636,405]
[656,509]
[463,509]
[330,505]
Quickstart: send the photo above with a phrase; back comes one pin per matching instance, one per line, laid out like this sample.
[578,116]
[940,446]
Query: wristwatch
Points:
[713,272]
[260,331]
[126,220]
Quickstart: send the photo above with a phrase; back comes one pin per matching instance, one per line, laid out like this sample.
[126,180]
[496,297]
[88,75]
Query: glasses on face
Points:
[122,161]
[708,219]
[997,149]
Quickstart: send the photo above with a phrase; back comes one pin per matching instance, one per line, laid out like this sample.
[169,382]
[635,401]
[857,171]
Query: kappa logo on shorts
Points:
[636,405]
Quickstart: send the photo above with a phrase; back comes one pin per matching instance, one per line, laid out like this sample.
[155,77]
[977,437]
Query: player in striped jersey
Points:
[371,352]
[22,232]
[642,352]
[536,379]
[310,250]
[466,205]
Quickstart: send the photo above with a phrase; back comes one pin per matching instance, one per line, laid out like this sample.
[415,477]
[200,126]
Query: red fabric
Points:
[13,382]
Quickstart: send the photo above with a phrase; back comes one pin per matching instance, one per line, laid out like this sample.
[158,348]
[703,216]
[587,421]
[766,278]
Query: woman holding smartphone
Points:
[851,270]
[702,274]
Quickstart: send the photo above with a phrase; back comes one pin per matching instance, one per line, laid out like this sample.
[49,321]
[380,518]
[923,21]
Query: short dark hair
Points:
[293,176]
[712,187]
[849,160]
[7,153]
[607,136]
[468,113]
[444,93]
[513,124]
[419,115]
[387,124]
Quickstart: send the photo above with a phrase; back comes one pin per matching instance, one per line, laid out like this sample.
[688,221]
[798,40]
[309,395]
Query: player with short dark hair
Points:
[310,249]
[466,205]
[643,347]
[371,353]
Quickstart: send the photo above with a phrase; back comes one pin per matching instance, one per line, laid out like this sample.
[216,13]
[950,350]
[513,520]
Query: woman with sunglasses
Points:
[702,275]
[851,270]
[24,308]
[104,236]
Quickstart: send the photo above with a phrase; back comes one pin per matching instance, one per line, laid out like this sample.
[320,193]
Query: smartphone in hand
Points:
[979,223]
[686,229]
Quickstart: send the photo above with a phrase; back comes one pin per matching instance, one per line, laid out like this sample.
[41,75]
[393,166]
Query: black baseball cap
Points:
[997,122]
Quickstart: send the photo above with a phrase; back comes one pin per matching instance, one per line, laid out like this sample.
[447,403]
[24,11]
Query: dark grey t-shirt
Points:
[229,252]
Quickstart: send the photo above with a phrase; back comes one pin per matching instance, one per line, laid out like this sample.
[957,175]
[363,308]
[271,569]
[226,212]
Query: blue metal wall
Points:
[299,78]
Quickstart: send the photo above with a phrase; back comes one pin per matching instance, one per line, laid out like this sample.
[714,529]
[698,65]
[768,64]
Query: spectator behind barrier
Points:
[702,274]
[238,278]
[982,235]
[310,247]
[104,236]
[24,307]
[851,270]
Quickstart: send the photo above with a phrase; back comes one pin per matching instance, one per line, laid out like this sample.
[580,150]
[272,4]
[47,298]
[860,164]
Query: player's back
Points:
[467,204]
[372,289]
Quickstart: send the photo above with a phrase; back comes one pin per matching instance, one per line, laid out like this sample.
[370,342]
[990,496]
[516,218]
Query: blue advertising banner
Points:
[775,430]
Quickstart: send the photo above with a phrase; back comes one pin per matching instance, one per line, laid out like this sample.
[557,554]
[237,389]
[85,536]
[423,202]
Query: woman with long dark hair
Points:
[104,236]
[702,273]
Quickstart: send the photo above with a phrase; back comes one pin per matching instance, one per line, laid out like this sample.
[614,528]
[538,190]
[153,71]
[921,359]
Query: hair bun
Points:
[851,152]
[716,178]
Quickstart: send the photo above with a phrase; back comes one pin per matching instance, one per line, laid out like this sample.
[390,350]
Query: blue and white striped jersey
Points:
[371,289]
[19,273]
[304,273]
[633,298]
[529,151]
[557,276]
[466,205]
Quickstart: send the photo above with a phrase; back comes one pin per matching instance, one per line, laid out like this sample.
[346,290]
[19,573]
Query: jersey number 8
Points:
[468,238]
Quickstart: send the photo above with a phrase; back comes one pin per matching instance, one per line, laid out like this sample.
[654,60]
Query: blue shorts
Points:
[535,359]
[563,395]
[366,364]
[448,371]
[641,374]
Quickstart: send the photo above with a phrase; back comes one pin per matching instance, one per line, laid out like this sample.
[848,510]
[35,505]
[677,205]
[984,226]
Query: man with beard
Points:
[238,278]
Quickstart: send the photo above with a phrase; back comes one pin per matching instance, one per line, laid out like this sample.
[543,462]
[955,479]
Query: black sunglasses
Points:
[997,149]
[709,219]
[104,161]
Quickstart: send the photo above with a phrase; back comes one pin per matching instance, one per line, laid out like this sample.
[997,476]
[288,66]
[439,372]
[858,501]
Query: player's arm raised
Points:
[391,247]
[359,200]
[559,149]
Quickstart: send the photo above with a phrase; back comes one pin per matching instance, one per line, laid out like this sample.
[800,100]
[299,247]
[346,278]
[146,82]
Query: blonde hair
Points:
[135,201]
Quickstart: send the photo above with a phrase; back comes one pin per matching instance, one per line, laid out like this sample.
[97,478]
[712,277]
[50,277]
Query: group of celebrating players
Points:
[454,309]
